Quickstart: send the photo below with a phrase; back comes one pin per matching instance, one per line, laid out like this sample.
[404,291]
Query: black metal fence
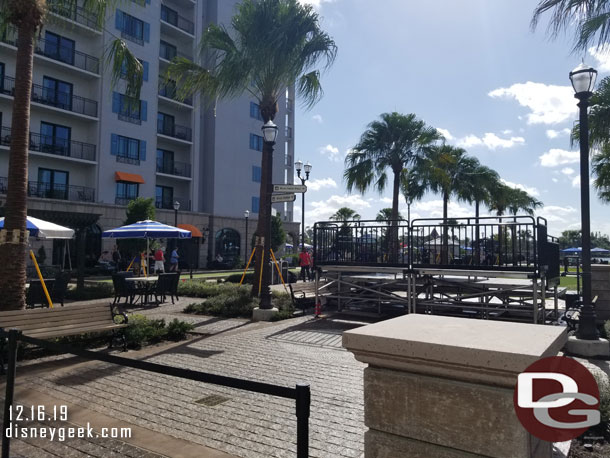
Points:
[181,169]
[175,131]
[301,393]
[486,243]
[169,90]
[74,13]
[53,145]
[46,190]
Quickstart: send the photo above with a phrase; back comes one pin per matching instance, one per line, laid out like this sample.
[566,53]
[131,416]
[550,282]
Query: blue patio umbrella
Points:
[572,250]
[147,230]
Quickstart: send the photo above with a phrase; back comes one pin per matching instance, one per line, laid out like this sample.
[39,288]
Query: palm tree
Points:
[385,215]
[599,137]
[392,143]
[591,19]
[446,170]
[345,214]
[28,17]
[522,201]
[273,45]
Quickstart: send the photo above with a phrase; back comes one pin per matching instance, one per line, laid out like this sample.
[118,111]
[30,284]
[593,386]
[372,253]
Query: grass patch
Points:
[569,282]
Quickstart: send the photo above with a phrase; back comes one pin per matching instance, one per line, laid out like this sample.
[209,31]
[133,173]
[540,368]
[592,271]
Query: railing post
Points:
[11,372]
[302,408]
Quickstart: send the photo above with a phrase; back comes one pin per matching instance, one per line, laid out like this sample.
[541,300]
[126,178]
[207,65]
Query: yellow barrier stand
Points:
[277,266]
[247,265]
[129,266]
[260,279]
[44,287]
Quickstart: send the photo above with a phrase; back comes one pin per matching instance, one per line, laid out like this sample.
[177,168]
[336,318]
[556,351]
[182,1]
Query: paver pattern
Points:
[247,424]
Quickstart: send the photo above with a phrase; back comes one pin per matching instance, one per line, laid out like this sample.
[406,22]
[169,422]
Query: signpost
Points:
[289,188]
[283,198]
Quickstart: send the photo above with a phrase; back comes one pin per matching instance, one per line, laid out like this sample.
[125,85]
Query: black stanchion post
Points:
[303,407]
[11,372]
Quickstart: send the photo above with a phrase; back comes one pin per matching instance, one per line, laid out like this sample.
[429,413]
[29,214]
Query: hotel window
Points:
[126,191]
[255,204]
[256,174]
[52,184]
[55,139]
[57,93]
[256,142]
[59,48]
[255,111]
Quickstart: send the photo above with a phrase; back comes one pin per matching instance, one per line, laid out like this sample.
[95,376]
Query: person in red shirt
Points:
[159,261]
[304,262]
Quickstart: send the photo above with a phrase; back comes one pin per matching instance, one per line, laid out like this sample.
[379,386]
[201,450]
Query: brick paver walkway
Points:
[246,424]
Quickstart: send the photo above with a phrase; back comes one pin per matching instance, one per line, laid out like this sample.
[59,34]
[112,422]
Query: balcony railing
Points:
[169,90]
[172,17]
[128,160]
[53,145]
[181,169]
[122,200]
[76,14]
[53,98]
[289,105]
[168,204]
[175,131]
[168,52]
[60,191]
[131,37]
[288,133]
[288,162]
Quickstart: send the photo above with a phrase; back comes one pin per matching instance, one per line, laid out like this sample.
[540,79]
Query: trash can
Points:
[571,300]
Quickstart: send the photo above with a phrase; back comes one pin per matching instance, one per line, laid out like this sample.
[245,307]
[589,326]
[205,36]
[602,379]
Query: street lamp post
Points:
[583,81]
[299,167]
[269,135]
[246,257]
[176,208]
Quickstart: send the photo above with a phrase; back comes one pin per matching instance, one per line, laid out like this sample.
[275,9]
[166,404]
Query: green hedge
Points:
[239,303]
[202,289]
[89,292]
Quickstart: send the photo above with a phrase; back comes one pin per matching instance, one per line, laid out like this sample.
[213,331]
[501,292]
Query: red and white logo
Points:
[557,399]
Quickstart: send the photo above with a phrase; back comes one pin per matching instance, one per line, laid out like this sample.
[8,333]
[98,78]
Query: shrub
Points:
[233,302]
[283,302]
[235,278]
[177,330]
[89,292]
[142,331]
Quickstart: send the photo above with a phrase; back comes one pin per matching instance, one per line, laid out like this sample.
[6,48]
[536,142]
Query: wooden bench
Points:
[65,321]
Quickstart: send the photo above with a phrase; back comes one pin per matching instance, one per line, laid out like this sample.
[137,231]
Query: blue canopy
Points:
[572,250]
[147,230]
[600,250]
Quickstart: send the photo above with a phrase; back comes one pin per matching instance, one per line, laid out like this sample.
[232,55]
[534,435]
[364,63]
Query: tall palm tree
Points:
[28,17]
[590,18]
[599,137]
[345,214]
[385,214]
[272,45]
[522,201]
[446,170]
[393,143]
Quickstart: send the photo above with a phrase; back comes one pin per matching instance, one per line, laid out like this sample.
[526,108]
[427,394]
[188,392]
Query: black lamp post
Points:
[269,135]
[246,257]
[299,166]
[583,80]
[176,208]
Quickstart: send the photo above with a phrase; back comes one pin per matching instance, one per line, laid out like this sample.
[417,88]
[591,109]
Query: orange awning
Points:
[189,227]
[129,177]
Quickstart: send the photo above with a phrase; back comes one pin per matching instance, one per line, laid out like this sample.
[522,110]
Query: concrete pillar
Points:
[443,387]
[600,287]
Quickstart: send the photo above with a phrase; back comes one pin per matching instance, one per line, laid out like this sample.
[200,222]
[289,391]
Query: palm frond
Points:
[124,65]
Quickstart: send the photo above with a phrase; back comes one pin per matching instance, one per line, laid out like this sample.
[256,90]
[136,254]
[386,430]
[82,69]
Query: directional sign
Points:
[283,198]
[289,188]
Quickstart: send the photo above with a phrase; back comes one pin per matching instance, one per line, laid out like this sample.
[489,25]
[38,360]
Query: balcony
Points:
[289,105]
[75,13]
[168,52]
[171,17]
[64,54]
[53,145]
[127,35]
[53,98]
[169,91]
[61,192]
[288,161]
[288,133]
[168,204]
[179,169]
[175,131]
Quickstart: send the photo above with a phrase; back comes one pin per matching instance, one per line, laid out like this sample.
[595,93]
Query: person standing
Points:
[173,260]
[304,262]
[159,260]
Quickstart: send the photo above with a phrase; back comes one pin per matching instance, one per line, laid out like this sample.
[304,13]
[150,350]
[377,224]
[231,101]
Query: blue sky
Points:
[472,69]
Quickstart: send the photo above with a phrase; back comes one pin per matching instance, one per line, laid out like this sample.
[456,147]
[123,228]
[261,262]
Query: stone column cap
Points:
[460,348]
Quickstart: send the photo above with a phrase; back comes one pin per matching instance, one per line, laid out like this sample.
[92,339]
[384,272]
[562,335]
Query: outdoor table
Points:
[148,283]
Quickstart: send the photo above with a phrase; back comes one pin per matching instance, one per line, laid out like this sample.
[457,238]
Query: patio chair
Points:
[122,288]
[174,285]
[60,286]
[35,295]
[163,287]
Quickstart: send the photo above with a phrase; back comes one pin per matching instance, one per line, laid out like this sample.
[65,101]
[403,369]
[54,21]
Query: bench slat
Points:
[43,311]
[56,321]
[59,332]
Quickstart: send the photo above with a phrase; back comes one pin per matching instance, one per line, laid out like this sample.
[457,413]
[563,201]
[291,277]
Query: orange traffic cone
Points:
[317,310]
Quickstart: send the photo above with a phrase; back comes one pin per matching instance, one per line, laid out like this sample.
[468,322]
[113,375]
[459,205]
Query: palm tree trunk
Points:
[393,235]
[13,255]
[445,247]
[263,226]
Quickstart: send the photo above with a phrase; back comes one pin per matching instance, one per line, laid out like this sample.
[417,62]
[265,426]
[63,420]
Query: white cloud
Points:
[555,180]
[557,214]
[555,157]
[576,181]
[507,131]
[321,210]
[332,152]
[317,118]
[567,171]
[602,56]
[320,183]
[548,103]
[530,190]
[490,140]
[434,209]
[445,133]
[315,3]
[551,133]
[385,200]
